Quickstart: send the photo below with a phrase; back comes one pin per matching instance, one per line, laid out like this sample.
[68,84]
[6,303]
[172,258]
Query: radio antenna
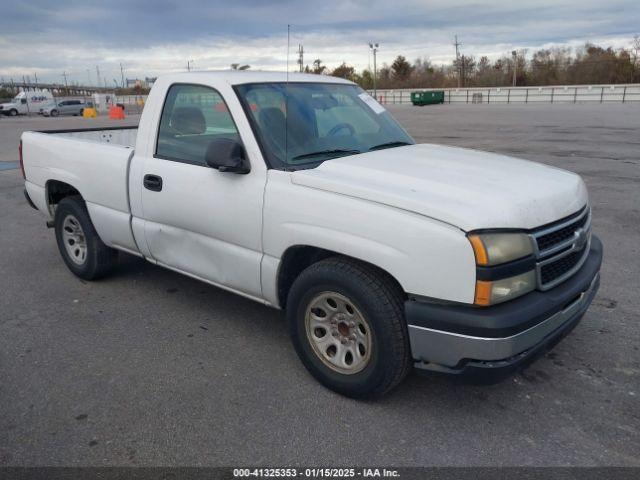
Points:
[286,100]
[288,44]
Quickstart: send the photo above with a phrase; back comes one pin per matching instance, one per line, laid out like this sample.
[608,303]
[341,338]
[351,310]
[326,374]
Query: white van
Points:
[27,102]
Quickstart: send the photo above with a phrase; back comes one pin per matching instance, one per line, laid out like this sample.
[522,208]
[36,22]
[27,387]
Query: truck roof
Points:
[238,77]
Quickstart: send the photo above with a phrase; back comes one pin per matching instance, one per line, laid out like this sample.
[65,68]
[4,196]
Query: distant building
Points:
[137,83]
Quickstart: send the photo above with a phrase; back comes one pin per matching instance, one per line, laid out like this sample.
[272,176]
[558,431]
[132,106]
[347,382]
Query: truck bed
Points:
[123,136]
[94,161]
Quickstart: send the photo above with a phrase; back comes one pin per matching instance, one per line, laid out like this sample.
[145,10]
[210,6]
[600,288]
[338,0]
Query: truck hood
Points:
[466,188]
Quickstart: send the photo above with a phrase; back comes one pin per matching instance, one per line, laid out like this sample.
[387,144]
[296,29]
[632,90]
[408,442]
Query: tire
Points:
[54,113]
[13,112]
[80,246]
[374,297]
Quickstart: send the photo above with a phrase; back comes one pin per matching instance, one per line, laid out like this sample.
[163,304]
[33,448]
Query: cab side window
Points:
[192,117]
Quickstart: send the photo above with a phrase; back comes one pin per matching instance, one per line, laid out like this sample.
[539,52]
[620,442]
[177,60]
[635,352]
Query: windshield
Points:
[325,121]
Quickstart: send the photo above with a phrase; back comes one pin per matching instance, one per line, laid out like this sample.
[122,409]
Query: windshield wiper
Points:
[389,145]
[325,152]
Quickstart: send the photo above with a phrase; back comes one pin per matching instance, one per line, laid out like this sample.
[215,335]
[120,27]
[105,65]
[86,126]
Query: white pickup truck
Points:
[303,193]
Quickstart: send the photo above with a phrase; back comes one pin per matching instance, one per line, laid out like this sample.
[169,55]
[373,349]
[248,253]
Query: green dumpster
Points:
[427,98]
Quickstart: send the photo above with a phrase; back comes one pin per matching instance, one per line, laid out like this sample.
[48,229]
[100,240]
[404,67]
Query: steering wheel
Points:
[341,126]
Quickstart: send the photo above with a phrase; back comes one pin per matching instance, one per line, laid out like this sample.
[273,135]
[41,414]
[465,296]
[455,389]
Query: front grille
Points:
[553,238]
[561,248]
[555,269]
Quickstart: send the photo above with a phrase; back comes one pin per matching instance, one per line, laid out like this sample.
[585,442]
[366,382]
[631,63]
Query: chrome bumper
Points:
[433,349]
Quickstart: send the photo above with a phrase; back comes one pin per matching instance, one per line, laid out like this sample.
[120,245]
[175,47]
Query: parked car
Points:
[306,195]
[27,102]
[65,107]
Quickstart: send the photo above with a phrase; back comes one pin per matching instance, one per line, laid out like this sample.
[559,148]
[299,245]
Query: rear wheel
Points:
[346,322]
[80,246]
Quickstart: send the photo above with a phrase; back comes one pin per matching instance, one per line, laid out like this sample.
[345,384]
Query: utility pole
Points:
[122,74]
[189,62]
[66,85]
[26,96]
[98,76]
[515,66]
[458,44]
[301,57]
[35,75]
[374,48]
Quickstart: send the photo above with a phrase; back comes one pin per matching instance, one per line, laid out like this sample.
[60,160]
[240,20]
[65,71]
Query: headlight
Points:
[494,249]
[498,291]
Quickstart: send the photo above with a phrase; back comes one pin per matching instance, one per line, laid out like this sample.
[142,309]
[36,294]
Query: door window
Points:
[192,117]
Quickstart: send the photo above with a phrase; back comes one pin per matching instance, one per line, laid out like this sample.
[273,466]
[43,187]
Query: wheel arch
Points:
[56,190]
[297,258]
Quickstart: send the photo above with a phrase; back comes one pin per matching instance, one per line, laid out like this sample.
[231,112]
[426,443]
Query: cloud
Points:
[154,37]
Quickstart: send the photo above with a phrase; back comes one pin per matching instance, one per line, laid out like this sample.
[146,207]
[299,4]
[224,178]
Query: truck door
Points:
[199,220]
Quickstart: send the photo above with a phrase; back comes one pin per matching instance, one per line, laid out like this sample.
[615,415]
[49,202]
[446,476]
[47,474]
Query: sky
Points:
[48,38]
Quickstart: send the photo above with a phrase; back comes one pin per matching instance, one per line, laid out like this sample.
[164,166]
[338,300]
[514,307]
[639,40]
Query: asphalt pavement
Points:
[148,367]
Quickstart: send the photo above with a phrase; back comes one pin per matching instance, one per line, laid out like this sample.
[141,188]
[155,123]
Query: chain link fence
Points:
[504,95]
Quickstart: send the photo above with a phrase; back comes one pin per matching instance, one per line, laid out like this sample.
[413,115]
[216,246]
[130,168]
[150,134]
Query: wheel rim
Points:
[74,240]
[338,333]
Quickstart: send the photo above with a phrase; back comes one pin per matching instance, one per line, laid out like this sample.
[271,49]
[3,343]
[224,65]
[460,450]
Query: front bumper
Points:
[455,338]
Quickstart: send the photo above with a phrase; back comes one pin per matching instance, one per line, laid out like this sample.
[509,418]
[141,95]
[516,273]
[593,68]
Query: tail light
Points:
[21,161]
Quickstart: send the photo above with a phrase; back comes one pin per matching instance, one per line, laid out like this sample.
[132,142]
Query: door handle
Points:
[152,182]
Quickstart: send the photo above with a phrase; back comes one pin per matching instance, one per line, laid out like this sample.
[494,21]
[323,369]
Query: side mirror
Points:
[227,155]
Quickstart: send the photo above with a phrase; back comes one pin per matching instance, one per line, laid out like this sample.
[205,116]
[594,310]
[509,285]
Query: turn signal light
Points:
[479,250]
[483,293]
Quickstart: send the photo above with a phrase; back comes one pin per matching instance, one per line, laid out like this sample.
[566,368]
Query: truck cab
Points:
[303,193]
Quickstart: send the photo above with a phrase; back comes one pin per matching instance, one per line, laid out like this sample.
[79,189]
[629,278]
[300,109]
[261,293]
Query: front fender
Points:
[427,258]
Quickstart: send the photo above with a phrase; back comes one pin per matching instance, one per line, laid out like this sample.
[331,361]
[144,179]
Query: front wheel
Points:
[54,113]
[13,112]
[80,246]
[347,325]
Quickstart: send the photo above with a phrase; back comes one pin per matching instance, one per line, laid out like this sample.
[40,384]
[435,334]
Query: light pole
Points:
[515,65]
[189,62]
[374,48]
